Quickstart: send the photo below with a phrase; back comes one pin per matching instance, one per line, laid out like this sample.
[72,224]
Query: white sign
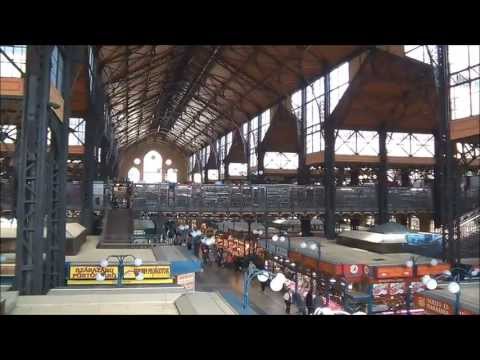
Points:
[187,281]
[353,269]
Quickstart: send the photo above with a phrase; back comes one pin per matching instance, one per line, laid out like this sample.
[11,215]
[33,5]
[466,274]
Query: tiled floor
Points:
[220,279]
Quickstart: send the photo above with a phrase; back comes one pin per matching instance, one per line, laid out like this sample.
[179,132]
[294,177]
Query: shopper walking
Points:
[309,302]
[251,267]
[219,256]
[288,301]
[263,284]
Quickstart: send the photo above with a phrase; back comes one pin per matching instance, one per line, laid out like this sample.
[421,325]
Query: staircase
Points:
[118,227]
[467,228]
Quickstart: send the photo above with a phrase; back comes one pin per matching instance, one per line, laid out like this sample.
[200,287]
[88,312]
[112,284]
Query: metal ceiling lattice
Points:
[191,95]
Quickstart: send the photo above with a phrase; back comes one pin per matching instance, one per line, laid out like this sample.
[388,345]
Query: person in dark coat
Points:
[264,284]
[287,297]
[309,302]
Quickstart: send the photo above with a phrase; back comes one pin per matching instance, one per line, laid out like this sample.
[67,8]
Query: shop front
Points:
[330,283]
[394,287]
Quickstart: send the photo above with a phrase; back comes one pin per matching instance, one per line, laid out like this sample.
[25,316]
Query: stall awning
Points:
[390,91]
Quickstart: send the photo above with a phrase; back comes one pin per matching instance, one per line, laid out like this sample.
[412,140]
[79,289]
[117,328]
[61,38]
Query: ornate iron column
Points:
[93,132]
[31,173]
[354,173]
[56,196]
[382,191]
[303,176]
[444,157]
[90,165]
[329,163]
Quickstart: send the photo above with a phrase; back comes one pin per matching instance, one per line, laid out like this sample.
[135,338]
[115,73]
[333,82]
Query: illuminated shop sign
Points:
[434,306]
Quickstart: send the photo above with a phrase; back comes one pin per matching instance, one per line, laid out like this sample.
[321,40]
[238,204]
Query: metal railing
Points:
[265,198]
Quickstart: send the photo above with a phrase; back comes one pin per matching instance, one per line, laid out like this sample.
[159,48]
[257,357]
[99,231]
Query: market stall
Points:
[341,270]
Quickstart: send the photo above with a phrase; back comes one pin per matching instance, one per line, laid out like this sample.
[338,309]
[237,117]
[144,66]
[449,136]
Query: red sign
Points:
[437,307]
[384,272]
[353,272]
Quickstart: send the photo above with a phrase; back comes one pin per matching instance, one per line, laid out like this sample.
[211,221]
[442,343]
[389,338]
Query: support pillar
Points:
[402,219]
[405,177]
[29,267]
[329,163]
[260,166]
[103,160]
[56,226]
[424,222]
[205,171]
[354,174]
[340,176]
[306,226]
[93,132]
[446,171]
[382,191]
[90,169]
[303,174]
[249,237]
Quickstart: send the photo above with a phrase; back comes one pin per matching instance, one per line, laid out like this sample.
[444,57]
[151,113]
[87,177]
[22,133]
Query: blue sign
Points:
[423,239]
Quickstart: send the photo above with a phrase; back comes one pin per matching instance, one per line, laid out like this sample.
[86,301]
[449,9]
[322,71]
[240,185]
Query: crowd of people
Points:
[305,299]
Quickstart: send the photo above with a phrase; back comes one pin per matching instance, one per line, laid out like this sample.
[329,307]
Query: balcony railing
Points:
[264,198]
[273,198]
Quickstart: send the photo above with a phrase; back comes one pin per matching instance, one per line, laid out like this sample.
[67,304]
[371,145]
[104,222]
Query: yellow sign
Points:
[148,281]
[91,282]
[89,272]
[149,272]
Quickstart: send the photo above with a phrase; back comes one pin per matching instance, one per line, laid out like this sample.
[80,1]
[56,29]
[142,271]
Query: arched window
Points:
[152,167]
[172,175]
[134,174]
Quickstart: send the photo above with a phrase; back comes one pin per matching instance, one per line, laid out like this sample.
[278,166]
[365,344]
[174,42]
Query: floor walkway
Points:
[220,279]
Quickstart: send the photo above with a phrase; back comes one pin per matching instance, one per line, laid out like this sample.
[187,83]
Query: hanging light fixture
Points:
[140,276]
[277,283]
